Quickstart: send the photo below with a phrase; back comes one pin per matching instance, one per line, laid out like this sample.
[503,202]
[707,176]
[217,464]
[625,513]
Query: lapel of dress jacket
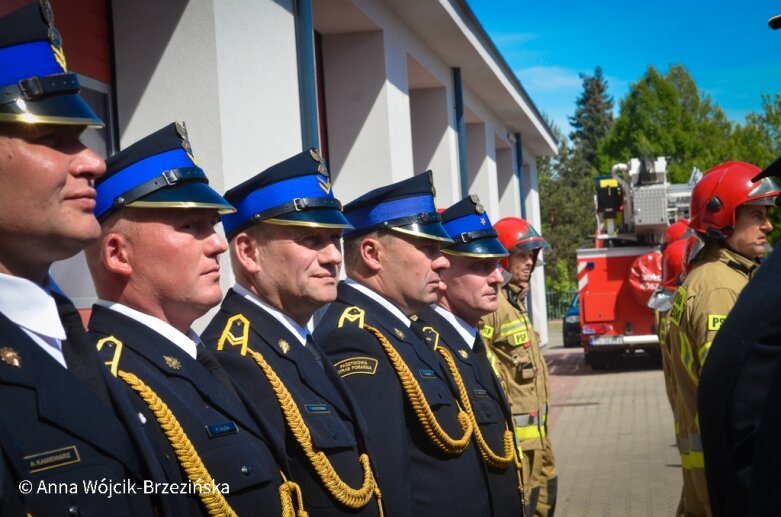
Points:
[475,359]
[279,345]
[62,399]
[171,360]
[396,331]
[489,378]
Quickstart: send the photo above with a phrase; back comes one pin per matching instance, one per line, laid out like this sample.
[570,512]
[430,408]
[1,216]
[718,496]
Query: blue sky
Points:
[725,45]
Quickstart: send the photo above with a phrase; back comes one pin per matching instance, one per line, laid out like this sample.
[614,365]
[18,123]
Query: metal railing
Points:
[558,303]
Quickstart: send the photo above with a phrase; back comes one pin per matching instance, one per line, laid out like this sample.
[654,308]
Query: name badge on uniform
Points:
[427,374]
[223,429]
[52,459]
[317,409]
[480,393]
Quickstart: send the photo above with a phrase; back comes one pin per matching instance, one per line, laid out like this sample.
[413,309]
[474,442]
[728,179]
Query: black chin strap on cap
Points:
[36,87]
[297,205]
[465,237]
[167,178]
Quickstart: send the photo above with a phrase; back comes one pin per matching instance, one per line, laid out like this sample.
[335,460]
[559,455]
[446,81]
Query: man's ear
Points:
[246,251]
[115,251]
[372,251]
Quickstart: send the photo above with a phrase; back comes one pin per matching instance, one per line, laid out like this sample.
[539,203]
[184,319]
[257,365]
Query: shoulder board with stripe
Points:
[235,333]
[110,349]
[353,315]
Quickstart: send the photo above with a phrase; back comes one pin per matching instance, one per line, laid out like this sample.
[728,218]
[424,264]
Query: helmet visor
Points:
[763,192]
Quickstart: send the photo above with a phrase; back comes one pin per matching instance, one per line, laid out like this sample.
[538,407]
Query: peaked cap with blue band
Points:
[406,206]
[35,86]
[295,192]
[158,171]
[470,228]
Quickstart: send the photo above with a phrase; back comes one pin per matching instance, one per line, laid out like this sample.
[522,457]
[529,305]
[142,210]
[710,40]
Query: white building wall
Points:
[257,74]
[434,141]
[507,180]
[359,143]
[480,155]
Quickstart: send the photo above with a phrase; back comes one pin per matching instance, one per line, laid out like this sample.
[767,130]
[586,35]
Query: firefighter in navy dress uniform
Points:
[59,432]
[473,281]
[156,269]
[285,251]
[425,459]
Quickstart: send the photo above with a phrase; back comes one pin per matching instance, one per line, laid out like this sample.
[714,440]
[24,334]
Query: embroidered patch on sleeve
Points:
[356,365]
[715,321]
[520,338]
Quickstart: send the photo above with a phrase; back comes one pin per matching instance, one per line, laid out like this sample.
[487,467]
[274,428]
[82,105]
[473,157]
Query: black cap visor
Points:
[65,109]
[481,248]
[316,218]
[433,231]
[187,195]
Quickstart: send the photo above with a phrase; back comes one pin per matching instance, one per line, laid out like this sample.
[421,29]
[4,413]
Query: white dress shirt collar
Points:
[296,329]
[379,299]
[34,310]
[187,342]
[30,306]
[468,332]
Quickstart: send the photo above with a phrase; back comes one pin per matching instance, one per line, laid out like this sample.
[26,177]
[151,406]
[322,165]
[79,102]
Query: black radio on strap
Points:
[167,178]
[34,87]
[299,204]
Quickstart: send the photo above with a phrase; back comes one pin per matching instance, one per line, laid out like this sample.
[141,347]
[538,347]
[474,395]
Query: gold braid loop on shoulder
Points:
[423,411]
[340,490]
[490,457]
[191,462]
[510,451]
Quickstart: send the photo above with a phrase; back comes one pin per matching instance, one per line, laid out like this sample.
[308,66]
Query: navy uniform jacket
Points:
[733,390]
[54,429]
[489,404]
[328,410]
[226,437]
[416,477]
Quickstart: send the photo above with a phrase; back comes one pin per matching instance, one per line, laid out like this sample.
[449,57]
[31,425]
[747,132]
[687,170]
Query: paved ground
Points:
[612,435]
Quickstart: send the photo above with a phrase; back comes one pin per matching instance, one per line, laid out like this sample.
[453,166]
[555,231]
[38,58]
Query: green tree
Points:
[666,115]
[593,116]
[567,210]
[758,141]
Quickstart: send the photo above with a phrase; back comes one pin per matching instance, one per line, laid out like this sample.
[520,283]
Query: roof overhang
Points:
[451,31]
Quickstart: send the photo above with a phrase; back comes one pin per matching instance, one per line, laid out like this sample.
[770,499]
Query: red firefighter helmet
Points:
[672,264]
[721,191]
[517,233]
[674,232]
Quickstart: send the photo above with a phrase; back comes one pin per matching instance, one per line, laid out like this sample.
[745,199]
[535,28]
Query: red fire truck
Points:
[616,278]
